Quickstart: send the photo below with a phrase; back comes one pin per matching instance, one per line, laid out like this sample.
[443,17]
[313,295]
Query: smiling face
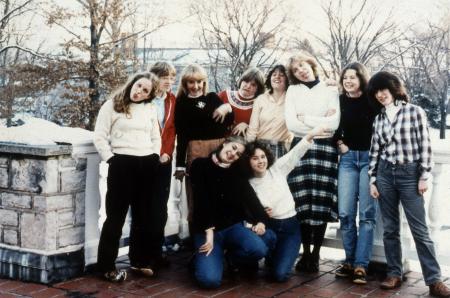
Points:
[303,71]
[384,97]
[351,82]
[258,163]
[231,152]
[278,80]
[248,89]
[195,87]
[140,90]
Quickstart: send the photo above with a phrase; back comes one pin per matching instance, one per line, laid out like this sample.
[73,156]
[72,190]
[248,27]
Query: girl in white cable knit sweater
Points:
[127,137]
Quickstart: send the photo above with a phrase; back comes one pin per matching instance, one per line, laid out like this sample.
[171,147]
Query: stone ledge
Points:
[35,150]
[27,266]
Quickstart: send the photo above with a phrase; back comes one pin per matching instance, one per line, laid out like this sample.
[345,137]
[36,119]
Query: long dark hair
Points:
[121,98]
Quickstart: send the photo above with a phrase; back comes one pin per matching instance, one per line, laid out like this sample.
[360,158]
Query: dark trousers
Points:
[164,177]
[131,183]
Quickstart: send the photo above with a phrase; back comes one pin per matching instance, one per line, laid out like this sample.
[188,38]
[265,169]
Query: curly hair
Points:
[250,150]
[268,82]
[121,98]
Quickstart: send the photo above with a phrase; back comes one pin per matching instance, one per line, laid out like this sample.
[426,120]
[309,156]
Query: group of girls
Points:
[284,190]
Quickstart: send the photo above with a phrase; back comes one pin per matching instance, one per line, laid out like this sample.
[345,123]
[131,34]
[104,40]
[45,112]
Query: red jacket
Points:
[242,108]
[168,132]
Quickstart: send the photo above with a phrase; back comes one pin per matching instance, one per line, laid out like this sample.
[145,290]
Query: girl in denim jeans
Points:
[353,142]
[400,165]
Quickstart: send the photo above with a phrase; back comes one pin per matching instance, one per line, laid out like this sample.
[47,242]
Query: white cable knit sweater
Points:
[136,134]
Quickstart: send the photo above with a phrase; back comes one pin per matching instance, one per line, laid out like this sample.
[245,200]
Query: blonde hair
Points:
[192,72]
[299,58]
[121,98]
[163,68]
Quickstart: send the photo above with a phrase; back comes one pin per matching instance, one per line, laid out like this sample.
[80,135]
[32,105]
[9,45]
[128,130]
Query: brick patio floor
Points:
[175,281]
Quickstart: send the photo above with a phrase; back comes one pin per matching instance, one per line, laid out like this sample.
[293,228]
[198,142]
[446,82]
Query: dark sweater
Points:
[222,197]
[355,126]
[194,121]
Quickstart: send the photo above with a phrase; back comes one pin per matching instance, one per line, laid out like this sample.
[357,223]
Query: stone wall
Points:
[41,212]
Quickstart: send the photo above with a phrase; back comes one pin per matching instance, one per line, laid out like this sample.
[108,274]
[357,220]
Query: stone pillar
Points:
[42,203]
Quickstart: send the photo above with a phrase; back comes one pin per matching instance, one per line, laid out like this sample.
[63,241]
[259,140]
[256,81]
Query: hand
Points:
[423,186]
[179,175]
[259,229]
[208,246]
[330,112]
[317,131]
[268,211]
[240,129]
[164,158]
[374,191]
[342,148]
[220,113]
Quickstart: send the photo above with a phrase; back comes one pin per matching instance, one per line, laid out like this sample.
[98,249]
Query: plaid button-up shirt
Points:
[405,140]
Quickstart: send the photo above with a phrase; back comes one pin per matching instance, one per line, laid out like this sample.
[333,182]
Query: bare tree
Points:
[110,42]
[357,31]
[239,33]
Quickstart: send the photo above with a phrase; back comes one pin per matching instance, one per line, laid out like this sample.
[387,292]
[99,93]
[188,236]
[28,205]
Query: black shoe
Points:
[344,270]
[115,276]
[302,264]
[313,266]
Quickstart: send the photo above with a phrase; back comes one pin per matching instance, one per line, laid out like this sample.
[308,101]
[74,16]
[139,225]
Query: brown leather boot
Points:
[439,289]
[391,282]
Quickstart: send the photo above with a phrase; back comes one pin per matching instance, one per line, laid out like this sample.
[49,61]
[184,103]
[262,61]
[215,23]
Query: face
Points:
[350,81]
[231,152]
[278,80]
[258,163]
[140,90]
[303,71]
[195,87]
[165,83]
[248,89]
[384,97]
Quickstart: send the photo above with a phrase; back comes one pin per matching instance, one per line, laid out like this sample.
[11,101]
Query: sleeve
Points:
[287,162]
[168,144]
[339,134]
[374,152]
[424,143]
[253,127]
[182,138]
[290,112]
[155,134]
[254,209]
[203,207]
[102,131]
[331,122]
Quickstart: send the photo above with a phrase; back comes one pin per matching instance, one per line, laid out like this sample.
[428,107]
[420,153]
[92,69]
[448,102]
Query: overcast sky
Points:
[182,33]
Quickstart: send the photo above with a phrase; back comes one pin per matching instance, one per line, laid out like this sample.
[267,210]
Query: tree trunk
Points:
[93,77]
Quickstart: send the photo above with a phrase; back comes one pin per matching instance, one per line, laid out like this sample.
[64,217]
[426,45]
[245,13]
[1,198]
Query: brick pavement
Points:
[176,282]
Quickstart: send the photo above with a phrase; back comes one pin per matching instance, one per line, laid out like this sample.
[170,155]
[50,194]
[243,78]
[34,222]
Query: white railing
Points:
[437,202]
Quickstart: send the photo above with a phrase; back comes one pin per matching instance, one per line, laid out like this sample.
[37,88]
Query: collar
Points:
[217,162]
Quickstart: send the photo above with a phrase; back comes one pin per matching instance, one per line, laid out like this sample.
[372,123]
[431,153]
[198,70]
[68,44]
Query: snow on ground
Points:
[37,131]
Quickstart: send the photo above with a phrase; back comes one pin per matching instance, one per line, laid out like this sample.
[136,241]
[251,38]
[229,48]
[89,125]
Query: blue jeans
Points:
[353,188]
[398,183]
[286,249]
[242,245]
